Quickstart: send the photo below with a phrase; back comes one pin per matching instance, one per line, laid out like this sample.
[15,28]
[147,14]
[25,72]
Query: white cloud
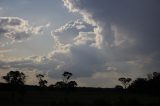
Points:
[85,38]
[66,34]
[18,29]
[79,56]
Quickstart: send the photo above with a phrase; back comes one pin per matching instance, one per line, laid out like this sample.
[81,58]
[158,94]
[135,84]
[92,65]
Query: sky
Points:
[98,41]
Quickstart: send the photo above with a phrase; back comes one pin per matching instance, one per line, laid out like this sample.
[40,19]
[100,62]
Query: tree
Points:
[72,84]
[15,78]
[66,83]
[125,81]
[154,83]
[151,84]
[156,75]
[42,82]
[139,84]
[66,76]
[60,84]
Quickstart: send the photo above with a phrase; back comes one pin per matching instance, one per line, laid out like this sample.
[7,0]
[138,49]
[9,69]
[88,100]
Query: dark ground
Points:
[35,96]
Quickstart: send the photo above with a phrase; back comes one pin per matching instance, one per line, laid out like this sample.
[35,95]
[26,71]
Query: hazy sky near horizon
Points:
[97,40]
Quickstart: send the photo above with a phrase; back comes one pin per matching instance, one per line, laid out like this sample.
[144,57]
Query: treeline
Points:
[151,84]
[17,78]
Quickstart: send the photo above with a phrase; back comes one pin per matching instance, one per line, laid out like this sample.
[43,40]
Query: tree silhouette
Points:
[42,82]
[72,84]
[60,84]
[15,78]
[151,84]
[156,75]
[139,84]
[66,83]
[125,81]
[66,76]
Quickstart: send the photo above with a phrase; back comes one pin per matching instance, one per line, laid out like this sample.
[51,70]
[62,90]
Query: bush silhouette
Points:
[60,84]
[119,87]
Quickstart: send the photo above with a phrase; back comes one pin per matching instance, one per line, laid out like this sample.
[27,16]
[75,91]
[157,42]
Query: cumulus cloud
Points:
[127,29]
[114,39]
[18,29]
[76,54]
[66,33]
[83,38]
[138,21]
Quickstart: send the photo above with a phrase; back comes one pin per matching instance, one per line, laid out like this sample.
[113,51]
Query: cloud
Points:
[76,54]
[18,29]
[138,21]
[83,38]
[1,8]
[114,39]
[66,33]
[5,50]
[127,29]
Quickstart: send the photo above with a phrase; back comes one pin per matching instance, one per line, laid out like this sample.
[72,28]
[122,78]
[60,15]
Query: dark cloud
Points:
[139,18]
[134,24]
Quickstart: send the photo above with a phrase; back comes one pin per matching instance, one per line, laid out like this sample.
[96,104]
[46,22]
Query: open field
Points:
[77,97]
